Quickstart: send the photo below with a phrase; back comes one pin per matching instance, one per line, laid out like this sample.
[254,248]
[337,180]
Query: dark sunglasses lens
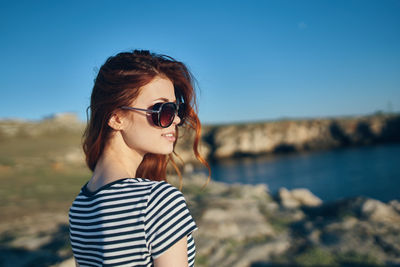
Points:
[154,116]
[167,114]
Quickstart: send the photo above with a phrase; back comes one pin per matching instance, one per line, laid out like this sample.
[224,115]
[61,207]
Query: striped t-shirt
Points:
[129,222]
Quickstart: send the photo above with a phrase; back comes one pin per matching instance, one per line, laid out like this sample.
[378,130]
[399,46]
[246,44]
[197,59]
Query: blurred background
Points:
[300,103]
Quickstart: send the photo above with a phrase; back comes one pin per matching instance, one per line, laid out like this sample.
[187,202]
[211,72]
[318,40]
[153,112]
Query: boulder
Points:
[306,198]
[378,211]
[297,198]
[287,200]
[395,205]
[236,219]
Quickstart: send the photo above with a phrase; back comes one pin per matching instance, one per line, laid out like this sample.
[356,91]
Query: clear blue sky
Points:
[254,60]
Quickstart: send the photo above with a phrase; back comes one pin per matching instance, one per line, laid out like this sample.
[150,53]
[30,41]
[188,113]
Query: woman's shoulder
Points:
[167,218]
[152,194]
[164,195]
[163,187]
[122,186]
[155,189]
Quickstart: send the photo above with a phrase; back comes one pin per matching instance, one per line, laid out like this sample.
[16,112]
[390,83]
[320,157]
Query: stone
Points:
[237,219]
[287,200]
[378,211]
[259,252]
[298,197]
[395,205]
[305,197]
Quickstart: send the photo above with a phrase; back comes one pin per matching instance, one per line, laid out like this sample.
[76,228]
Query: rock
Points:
[257,252]
[297,197]
[378,211]
[395,205]
[305,197]
[233,229]
[287,200]
[259,191]
[353,227]
[235,219]
[361,237]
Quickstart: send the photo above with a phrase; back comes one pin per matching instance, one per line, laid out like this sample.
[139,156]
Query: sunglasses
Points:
[163,114]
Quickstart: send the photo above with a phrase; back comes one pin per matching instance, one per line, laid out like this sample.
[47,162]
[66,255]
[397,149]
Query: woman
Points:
[127,214]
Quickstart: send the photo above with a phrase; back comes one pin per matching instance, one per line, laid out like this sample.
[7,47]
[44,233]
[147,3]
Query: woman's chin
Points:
[166,151]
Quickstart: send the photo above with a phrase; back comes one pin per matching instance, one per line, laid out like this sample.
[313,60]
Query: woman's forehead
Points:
[158,89]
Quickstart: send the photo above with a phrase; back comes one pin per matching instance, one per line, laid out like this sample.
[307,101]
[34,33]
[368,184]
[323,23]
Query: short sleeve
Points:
[167,218]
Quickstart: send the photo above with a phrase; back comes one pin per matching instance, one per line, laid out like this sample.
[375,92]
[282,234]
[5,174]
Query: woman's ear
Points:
[116,121]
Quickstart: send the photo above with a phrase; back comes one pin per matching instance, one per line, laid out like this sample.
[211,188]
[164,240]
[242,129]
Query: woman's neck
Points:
[116,162]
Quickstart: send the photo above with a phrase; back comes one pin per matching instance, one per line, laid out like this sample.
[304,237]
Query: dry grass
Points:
[39,173]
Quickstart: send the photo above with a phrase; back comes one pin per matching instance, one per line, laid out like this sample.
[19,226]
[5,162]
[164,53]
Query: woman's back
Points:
[129,222]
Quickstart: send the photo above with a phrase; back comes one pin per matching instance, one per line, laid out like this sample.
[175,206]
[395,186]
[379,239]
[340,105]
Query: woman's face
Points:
[139,131]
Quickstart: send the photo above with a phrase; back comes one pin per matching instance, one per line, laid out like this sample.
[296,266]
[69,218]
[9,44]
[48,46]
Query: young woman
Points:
[127,214]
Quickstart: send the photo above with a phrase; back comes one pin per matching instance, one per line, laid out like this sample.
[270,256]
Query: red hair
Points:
[118,83]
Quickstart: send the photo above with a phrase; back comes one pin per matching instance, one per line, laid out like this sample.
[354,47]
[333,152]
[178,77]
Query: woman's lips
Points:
[169,136]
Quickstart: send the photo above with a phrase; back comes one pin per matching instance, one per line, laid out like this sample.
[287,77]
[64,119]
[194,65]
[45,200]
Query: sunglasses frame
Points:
[158,122]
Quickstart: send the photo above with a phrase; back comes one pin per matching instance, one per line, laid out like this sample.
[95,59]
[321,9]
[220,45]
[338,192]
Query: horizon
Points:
[254,61]
[74,115]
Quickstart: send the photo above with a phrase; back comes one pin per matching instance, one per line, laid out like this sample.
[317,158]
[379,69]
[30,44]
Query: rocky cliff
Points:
[250,139]
[226,141]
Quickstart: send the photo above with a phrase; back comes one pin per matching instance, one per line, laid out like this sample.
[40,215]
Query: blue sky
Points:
[254,60]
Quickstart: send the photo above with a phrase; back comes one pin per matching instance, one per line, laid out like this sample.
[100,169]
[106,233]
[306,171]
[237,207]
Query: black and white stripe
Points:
[129,222]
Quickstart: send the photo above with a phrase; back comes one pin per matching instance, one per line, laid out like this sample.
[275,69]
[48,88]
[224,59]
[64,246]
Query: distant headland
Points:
[251,139]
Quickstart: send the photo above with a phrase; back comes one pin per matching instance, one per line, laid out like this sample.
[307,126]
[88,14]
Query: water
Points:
[372,171]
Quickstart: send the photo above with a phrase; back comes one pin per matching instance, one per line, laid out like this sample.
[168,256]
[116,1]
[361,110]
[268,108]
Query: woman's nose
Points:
[177,120]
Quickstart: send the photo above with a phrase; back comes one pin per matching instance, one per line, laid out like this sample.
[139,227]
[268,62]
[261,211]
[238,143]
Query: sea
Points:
[369,171]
